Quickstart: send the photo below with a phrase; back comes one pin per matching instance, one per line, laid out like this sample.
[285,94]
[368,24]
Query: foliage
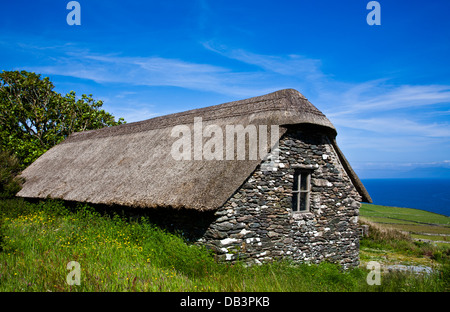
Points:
[9,169]
[33,117]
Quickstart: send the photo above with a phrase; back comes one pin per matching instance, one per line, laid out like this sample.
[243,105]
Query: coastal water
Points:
[427,194]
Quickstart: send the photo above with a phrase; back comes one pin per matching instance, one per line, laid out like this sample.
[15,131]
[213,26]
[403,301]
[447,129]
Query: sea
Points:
[427,194]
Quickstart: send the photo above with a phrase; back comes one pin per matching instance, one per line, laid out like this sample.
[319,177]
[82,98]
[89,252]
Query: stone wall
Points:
[257,223]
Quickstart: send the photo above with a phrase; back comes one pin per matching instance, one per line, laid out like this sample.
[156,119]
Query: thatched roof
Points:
[131,164]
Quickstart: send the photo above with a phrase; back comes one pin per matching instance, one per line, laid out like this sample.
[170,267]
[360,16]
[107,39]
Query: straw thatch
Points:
[131,164]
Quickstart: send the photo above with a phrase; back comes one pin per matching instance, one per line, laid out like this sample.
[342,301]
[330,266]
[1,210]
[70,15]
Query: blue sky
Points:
[386,88]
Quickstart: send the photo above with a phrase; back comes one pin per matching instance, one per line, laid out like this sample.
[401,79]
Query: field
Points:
[115,253]
[420,223]
[424,236]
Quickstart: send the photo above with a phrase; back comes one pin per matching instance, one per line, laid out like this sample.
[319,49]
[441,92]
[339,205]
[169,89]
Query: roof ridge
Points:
[282,100]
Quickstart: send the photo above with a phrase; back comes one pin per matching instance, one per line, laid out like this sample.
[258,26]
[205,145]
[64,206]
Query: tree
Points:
[33,117]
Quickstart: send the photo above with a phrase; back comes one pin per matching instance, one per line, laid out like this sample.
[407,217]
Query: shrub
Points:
[382,232]
[442,255]
[10,184]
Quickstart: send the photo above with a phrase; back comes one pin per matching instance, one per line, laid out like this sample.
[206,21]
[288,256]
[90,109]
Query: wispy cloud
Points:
[376,96]
[134,111]
[375,107]
[393,125]
[377,110]
[288,65]
[406,165]
[386,110]
[403,169]
[153,71]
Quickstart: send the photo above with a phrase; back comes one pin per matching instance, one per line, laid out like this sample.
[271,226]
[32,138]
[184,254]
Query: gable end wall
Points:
[256,224]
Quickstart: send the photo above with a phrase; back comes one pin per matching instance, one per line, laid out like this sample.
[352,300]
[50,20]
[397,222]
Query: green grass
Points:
[403,215]
[37,240]
[397,237]
[419,223]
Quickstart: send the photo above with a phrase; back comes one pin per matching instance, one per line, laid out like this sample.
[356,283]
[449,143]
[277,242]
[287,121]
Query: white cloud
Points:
[397,126]
[132,113]
[289,65]
[400,165]
[366,106]
[377,111]
[379,96]
[154,71]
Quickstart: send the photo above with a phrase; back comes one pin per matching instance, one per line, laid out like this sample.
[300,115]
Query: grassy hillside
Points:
[403,215]
[38,240]
[404,236]
[421,224]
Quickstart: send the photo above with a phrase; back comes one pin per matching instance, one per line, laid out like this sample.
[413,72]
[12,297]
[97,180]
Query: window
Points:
[301,191]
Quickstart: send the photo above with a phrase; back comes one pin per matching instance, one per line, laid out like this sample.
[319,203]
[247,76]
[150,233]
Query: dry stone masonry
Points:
[257,223]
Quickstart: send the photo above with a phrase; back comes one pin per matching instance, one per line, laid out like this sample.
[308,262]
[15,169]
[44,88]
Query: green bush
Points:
[10,184]
[33,117]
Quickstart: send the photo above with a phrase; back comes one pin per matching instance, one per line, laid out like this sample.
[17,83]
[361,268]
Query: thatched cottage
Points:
[299,198]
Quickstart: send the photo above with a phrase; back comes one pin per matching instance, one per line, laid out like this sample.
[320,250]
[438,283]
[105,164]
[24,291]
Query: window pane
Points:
[295,201]
[304,181]
[303,201]
[296,186]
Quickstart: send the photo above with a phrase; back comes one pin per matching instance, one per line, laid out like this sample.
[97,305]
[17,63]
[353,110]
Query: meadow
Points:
[117,253]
